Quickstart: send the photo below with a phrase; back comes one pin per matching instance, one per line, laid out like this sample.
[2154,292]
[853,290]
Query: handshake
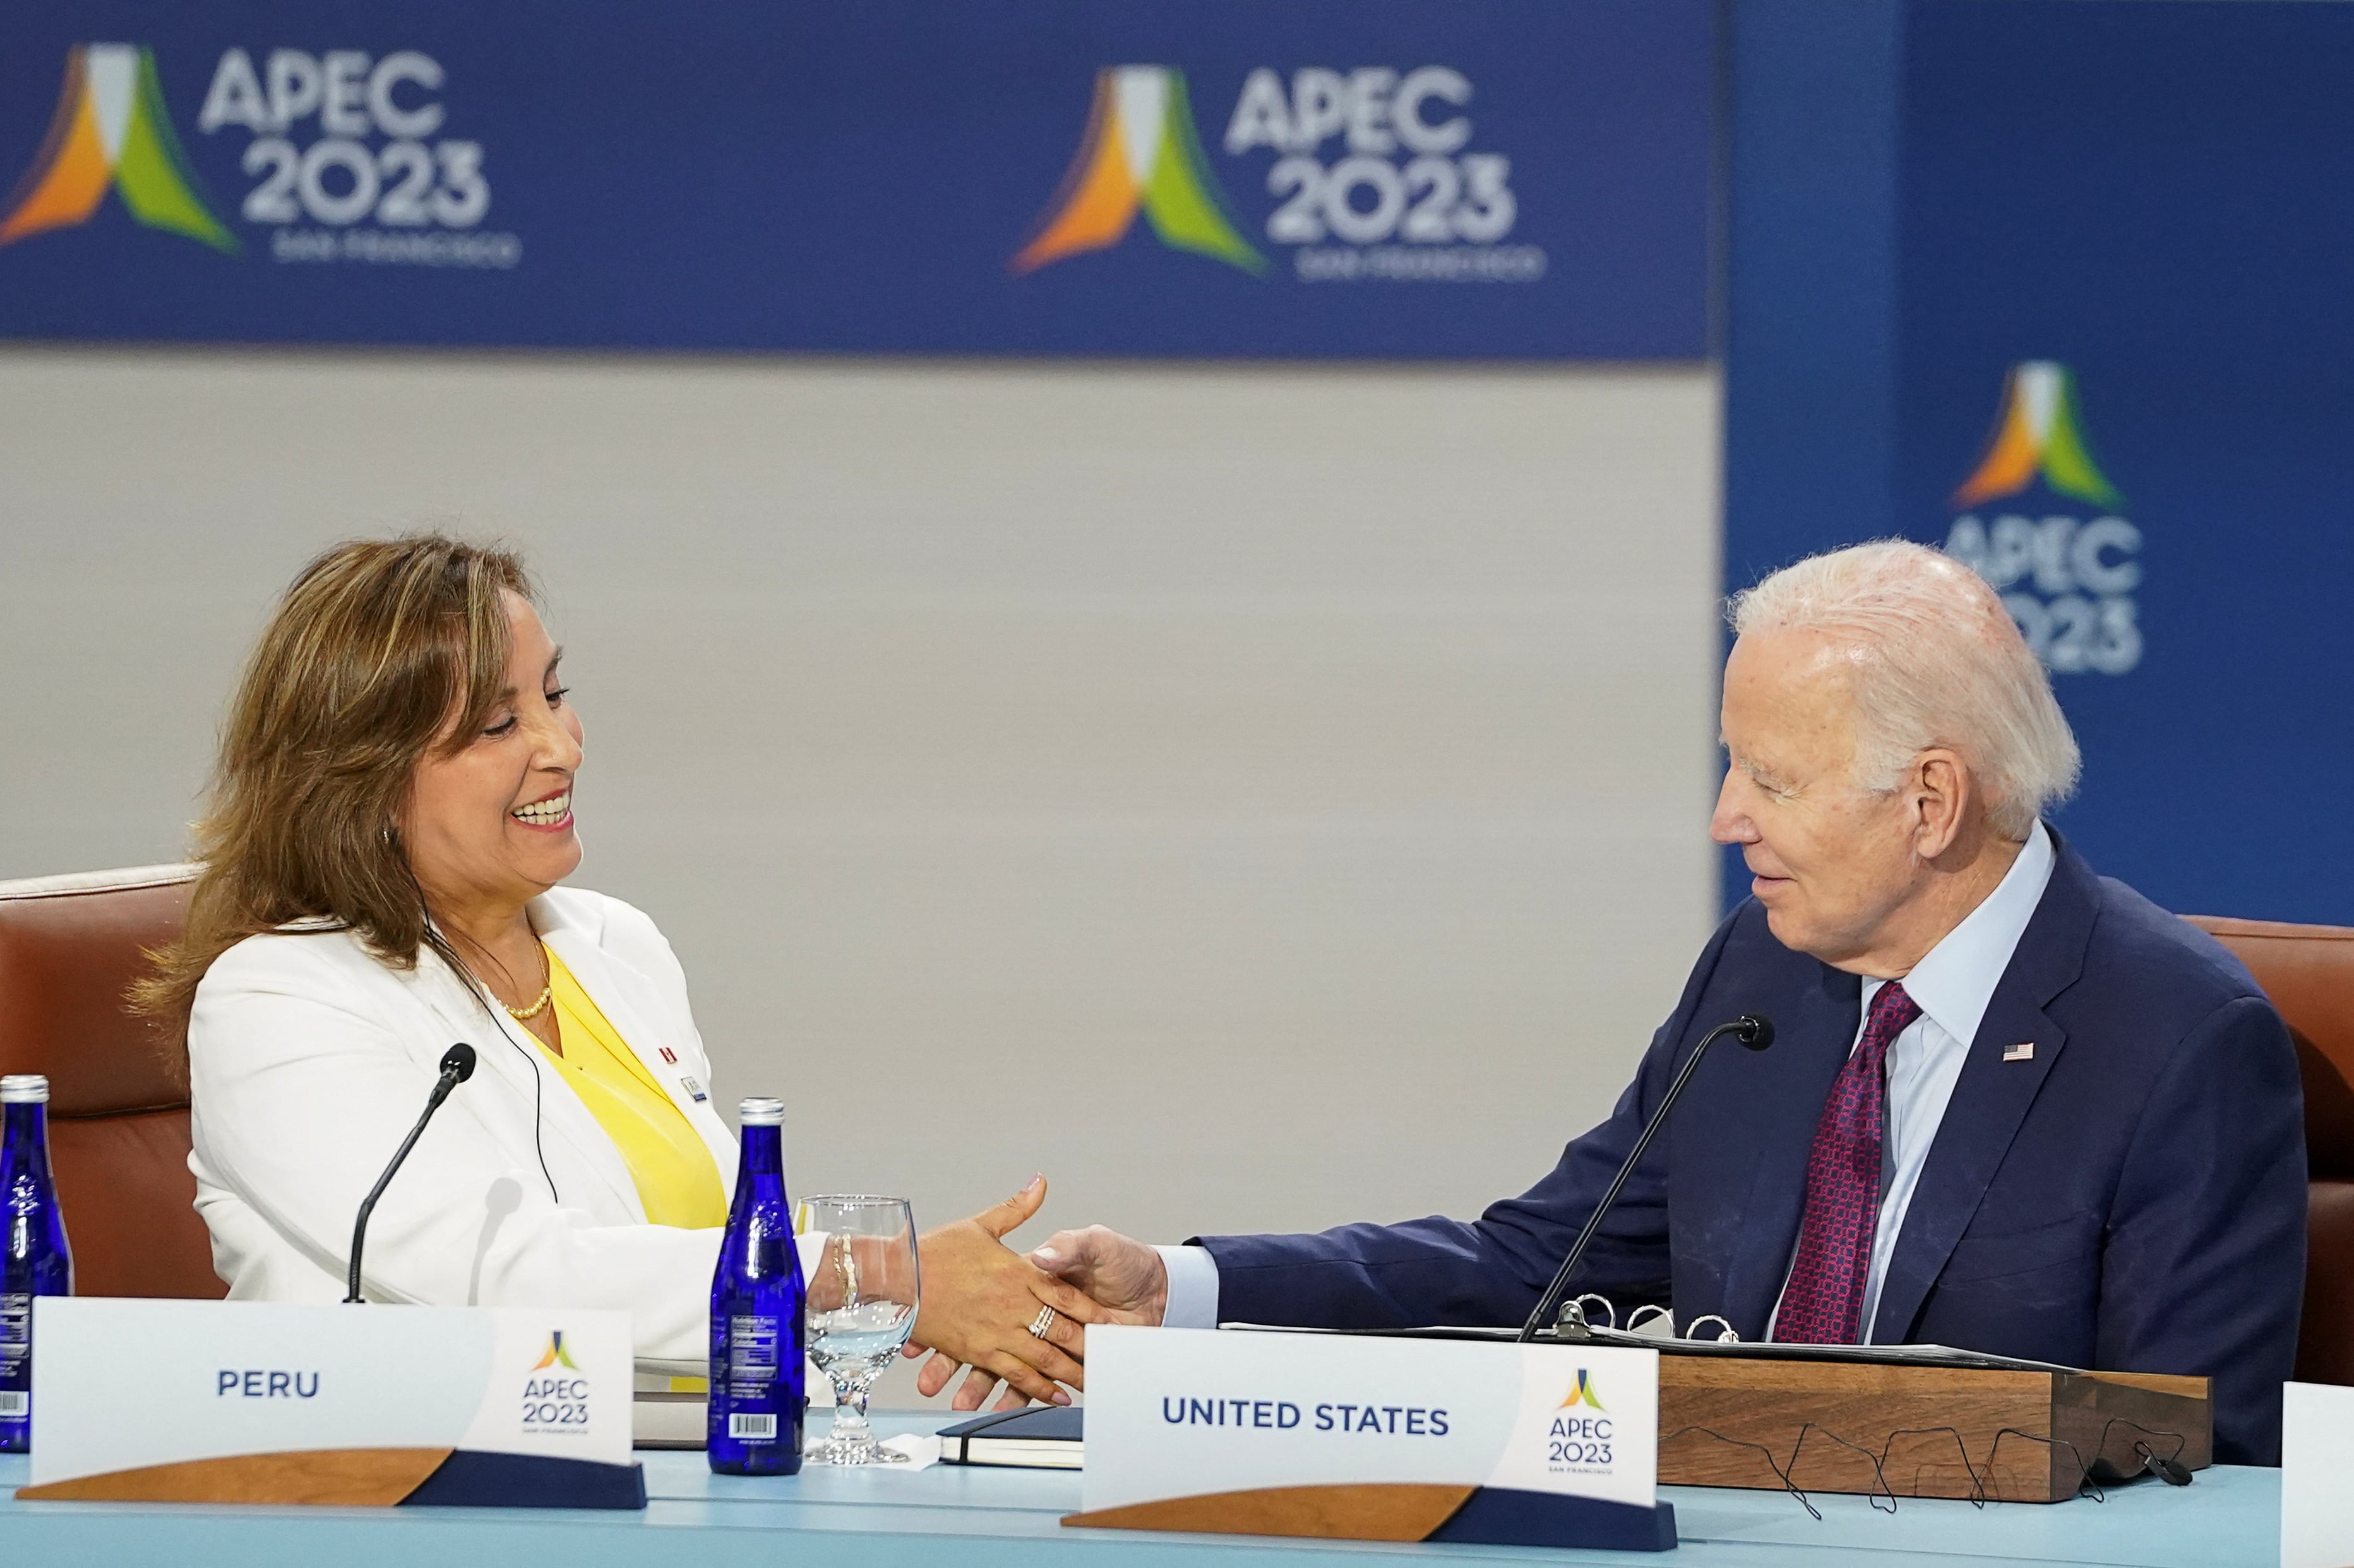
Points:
[1001,1318]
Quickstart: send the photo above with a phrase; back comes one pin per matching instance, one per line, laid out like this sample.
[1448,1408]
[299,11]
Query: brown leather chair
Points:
[69,946]
[2308,972]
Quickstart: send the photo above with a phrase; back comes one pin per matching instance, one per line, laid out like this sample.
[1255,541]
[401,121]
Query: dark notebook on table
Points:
[1043,1437]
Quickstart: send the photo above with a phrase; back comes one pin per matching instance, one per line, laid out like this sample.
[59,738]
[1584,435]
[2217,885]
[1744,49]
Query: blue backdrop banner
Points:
[1494,178]
[2087,331]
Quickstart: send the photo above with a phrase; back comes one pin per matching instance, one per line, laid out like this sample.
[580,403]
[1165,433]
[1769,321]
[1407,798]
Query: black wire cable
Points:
[2086,1482]
[538,1092]
[1771,1463]
[499,1020]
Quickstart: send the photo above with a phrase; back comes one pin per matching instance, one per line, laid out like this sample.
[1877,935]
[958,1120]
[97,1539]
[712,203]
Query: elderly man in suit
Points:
[2013,1105]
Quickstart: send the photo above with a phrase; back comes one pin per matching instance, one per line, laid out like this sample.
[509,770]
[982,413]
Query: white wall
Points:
[1258,797]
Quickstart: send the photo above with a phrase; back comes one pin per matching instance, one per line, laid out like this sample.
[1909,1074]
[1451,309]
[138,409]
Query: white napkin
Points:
[922,1449]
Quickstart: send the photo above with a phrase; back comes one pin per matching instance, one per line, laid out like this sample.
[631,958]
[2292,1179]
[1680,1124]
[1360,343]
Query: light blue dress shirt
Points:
[1953,983]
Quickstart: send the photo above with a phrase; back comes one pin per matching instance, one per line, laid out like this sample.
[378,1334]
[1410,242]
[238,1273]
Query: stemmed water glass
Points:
[862,1305]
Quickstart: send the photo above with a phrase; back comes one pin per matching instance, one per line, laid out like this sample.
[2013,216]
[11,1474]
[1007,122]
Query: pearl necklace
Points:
[546,994]
[525,1014]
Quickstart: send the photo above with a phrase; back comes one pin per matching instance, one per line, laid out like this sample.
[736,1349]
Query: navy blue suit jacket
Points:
[2132,1198]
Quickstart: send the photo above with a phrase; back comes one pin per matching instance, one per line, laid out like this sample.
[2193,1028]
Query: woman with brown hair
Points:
[390,819]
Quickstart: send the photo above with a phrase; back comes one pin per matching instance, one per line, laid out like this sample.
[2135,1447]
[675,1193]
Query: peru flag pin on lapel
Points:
[2023,1052]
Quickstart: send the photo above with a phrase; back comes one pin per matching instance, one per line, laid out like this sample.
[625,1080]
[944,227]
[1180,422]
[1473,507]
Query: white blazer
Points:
[308,1062]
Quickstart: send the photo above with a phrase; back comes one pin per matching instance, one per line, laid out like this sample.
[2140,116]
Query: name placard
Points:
[256,1402]
[2316,1447]
[1373,1438]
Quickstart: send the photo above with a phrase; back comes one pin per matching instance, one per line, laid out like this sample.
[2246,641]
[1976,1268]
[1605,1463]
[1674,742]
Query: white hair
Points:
[1936,660]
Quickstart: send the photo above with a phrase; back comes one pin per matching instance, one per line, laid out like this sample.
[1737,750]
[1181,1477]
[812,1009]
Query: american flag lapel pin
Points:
[694,1088]
[2023,1052]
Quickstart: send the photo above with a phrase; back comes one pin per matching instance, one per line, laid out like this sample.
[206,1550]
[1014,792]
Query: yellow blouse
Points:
[669,1161]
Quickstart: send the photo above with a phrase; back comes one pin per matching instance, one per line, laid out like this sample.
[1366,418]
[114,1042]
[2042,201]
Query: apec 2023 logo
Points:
[555,1395]
[1576,1441]
[1406,198]
[2067,579]
[344,151]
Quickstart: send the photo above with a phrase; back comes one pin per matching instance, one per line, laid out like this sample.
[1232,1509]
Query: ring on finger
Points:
[1042,1323]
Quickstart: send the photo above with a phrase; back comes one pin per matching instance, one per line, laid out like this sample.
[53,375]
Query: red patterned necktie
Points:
[1823,1303]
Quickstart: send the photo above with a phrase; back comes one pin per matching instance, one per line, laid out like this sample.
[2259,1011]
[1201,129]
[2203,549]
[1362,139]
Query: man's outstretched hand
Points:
[1120,1274]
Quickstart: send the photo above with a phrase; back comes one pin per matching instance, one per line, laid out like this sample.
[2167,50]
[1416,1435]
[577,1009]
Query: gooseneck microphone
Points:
[457,1067]
[1752,1030]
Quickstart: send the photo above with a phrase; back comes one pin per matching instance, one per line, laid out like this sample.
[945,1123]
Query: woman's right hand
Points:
[979,1300]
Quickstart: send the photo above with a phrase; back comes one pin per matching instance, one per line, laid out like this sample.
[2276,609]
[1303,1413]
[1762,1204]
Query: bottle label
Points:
[16,1340]
[15,1369]
[752,1344]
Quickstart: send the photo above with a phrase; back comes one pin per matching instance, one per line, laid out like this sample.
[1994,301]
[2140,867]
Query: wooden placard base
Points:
[336,1478]
[1465,1515]
[365,1478]
[1920,1432]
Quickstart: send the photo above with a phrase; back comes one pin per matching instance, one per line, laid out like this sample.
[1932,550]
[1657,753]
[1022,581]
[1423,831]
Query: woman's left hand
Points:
[980,1299]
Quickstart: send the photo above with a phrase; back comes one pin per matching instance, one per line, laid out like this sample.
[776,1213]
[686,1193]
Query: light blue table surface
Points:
[948,1514]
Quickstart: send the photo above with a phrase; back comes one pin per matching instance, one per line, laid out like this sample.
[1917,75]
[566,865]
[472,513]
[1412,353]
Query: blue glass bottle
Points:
[33,1260]
[759,1355]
